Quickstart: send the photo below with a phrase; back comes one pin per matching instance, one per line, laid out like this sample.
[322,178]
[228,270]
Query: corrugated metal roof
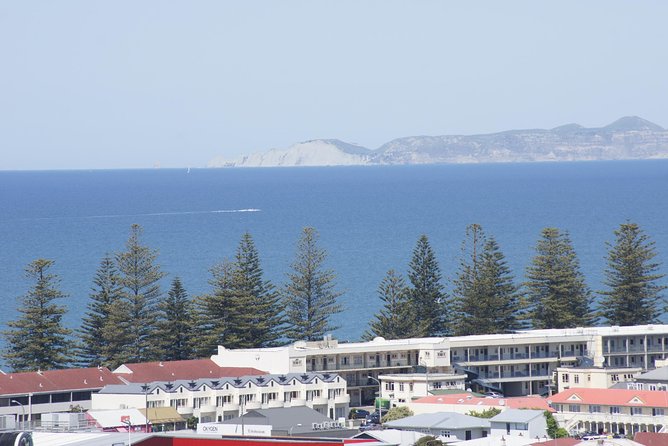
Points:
[49,381]
[516,416]
[439,420]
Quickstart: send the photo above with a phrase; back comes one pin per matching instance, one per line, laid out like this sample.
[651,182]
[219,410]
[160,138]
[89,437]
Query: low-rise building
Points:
[450,425]
[28,395]
[594,377]
[514,364]
[467,402]
[519,422]
[219,399]
[623,411]
[400,389]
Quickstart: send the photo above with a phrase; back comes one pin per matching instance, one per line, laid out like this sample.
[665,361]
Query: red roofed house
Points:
[611,410]
[145,372]
[466,402]
[30,394]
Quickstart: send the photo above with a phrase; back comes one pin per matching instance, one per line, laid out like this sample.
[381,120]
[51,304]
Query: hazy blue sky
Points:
[89,84]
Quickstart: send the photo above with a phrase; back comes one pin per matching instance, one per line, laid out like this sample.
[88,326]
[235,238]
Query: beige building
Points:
[401,389]
[624,411]
[594,377]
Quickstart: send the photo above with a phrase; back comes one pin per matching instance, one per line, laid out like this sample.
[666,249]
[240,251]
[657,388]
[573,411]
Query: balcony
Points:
[342,399]
[251,405]
[320,401]
[272,404]
[185,410]
[207,408]
[296,402]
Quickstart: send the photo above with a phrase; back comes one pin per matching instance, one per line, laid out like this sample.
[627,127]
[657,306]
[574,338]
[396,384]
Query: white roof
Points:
[83,438]
[112,418]
[393,436]
[507,440]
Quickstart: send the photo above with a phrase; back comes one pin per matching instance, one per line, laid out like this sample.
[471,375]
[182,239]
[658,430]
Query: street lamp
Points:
[380,402]
[23,412]
[145,388]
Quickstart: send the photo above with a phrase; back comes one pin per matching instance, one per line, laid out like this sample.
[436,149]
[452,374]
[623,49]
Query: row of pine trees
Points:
[129,319]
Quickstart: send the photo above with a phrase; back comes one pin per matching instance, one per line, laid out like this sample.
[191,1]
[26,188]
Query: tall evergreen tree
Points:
[215,310]
[556,291]
[428,300]
[633,296]
[258,319]
[176,324]
[140,280]
[394,320]
[37,339]
[96,346]
[309,297]
[485,297]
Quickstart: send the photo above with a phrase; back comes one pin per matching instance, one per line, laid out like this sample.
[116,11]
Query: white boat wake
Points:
[159,214]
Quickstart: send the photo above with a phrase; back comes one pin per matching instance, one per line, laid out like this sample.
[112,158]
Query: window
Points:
[658,411]
[636,411]
[199,402]
[576,379]
[288,396]
[614,409]
[152,404]
[410,387]
[445,433]
[344,360]
[564,377]
[594,408]
[267,397]
[311,394]
[180,402]
[333,393]
[357,360]
[225,399]
[401,387]
[614,378]
[574,408]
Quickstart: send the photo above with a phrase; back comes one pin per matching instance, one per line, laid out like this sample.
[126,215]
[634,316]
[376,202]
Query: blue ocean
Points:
[369,219]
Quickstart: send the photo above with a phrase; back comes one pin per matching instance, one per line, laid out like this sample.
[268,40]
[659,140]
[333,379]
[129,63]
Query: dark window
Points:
[81,396]
[41,399]
[60,398]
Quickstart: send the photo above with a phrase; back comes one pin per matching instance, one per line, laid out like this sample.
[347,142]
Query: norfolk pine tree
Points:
[394,319]
[556,291]
[140,277]
[37,340]
[485,296]
[633,296]
[428,301]
[258,320]
[98,342]
[309,296]
[176,324]
[214,310]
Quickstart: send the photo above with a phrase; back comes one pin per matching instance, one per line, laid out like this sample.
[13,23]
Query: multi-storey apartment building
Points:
[522,363]
[624,411]
[218,399]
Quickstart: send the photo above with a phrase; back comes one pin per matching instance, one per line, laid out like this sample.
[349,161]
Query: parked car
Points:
[493,395]
[373,418]
[358,414]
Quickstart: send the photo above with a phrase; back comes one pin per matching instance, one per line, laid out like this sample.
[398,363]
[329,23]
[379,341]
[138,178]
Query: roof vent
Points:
[502,402]
[468,397]
[161,364]
[85,381]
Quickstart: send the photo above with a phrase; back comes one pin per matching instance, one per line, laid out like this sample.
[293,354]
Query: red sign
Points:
[125,419]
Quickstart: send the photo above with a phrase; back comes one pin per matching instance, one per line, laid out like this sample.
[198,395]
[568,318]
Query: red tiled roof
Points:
[558,442]
[143,372]
[56,380]
[651,438]
[612,397]
[514,402]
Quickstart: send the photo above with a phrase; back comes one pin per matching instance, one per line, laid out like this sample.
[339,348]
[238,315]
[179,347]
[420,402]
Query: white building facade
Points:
[225,398]
[522,363]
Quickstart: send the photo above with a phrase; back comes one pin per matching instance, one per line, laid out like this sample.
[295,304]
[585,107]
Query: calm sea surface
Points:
[369,219]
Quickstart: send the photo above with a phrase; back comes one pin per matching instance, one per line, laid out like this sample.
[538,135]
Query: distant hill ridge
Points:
[629,137]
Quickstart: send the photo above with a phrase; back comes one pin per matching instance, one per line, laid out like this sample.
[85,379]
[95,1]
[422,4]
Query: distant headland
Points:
[628,138]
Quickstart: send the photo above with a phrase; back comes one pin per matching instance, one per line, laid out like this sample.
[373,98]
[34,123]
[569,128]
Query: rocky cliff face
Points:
[626,138]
